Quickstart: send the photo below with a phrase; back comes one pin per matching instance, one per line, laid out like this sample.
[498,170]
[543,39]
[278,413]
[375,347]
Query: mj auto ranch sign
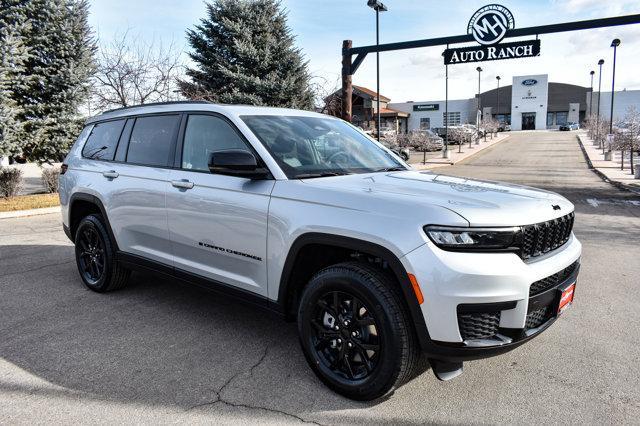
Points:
[488,26]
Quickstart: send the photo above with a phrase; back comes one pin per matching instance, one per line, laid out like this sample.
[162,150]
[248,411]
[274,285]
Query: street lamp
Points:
[591,95]
[445,151]
[614,43]
[378,7]
[600,62]
[479,113]
[498,98]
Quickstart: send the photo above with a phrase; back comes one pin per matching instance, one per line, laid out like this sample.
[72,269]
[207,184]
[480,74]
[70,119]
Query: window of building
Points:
[503,118]
[151,140]
[425,123]
[453,119]
[561,118]
[204,135]
[550,118]
[103,140]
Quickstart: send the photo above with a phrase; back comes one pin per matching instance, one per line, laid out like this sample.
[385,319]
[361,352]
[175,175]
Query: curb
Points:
[619,185]
[428,166]
[30,212]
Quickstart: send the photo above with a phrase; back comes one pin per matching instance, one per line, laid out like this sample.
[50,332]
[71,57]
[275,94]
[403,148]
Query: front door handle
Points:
[182,184]
[111,174]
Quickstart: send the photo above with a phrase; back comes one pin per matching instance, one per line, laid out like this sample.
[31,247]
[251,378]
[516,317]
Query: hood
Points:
[481,203]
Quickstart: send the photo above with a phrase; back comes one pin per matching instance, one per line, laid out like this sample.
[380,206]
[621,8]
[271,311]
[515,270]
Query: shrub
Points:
[50,177]
[10,181]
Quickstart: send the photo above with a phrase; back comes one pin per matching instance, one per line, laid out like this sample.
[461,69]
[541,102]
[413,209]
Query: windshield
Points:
[314,147]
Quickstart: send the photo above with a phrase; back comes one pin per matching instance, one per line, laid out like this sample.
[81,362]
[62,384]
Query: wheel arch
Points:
[82,204]
[290,288]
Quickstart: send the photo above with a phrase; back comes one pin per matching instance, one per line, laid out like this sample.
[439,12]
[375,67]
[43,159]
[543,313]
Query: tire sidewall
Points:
[387,369]
[93,221]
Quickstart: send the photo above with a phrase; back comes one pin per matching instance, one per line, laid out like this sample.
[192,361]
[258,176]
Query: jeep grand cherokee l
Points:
[384,268]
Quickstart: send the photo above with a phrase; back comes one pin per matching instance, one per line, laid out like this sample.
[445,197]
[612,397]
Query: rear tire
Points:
[374,349]
[96,256]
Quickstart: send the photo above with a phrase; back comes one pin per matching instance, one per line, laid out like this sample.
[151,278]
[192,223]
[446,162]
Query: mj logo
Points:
[490,23]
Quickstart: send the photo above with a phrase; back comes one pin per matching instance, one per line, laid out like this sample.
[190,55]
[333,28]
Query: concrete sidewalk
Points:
[609,170]
[455,156]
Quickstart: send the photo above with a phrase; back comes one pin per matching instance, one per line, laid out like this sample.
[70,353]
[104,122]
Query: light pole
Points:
[498,98]
[591,95]
[479,113]
[445,152]
[600,62]
[614,43]
[378,7]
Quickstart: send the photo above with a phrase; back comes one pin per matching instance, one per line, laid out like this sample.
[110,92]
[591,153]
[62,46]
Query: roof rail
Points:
[155,104]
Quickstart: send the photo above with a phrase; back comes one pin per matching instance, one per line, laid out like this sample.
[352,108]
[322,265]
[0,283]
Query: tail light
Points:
[63,169]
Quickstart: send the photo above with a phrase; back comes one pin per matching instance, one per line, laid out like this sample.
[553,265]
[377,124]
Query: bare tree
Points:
[627,132]
[131,72]
[327,96]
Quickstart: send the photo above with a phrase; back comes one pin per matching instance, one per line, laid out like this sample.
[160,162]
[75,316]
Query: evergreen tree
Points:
[54,79]
[13,55]
[245,53]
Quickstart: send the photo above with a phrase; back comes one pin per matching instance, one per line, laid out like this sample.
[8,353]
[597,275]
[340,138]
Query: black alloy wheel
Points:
[346,336]
[356,333]
[96,256]
[91,257]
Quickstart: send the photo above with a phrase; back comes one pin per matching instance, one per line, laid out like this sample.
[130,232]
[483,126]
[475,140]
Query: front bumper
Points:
[492,285]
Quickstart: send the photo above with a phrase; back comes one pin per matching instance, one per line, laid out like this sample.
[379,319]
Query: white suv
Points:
[381,266]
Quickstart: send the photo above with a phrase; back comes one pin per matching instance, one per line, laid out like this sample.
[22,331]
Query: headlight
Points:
[470,239]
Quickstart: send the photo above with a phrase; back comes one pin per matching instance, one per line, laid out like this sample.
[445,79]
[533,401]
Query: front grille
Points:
[478,325]
[541,238]
[551,281]
[538,317]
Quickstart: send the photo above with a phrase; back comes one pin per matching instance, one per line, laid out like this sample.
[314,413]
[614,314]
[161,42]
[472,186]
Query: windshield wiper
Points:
[321,174]
[390,169]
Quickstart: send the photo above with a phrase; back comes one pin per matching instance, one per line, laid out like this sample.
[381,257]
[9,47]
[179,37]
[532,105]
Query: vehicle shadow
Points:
[156,342]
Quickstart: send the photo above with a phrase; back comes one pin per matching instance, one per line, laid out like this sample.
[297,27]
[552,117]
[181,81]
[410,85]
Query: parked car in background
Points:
[504,127]
[401,151]
[479,131]
[425,140]
[569,126]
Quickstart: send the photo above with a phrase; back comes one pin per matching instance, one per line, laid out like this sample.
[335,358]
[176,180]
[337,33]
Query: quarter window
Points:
[103,140]
[151,140]
[204,135]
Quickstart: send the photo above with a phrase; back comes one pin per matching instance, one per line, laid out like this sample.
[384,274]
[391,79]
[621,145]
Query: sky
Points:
[320,27]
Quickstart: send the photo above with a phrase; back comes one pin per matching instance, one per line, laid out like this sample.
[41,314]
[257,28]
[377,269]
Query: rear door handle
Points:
[182,184]
[111,174]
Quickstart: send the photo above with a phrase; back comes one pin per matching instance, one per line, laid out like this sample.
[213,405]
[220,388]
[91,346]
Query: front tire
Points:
[95,256]
[355,332]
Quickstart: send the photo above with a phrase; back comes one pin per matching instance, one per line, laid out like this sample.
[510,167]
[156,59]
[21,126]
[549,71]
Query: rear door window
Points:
[152,139]
[103,140]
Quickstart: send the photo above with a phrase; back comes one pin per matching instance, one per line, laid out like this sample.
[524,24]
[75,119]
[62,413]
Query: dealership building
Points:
[531,102]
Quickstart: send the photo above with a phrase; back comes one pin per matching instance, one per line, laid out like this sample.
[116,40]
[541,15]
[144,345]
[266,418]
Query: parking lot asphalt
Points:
[158,352]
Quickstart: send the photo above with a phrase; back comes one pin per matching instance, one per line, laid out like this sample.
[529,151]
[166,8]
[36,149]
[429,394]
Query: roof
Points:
[182,106]
[393,112]
[371,93]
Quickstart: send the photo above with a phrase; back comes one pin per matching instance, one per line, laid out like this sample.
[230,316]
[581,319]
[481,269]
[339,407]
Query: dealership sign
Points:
[518,49]
[426,107]
[488,26]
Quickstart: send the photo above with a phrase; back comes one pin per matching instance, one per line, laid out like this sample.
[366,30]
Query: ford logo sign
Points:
[529,82]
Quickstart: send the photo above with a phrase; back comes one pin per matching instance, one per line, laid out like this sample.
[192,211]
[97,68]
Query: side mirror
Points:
[236,162]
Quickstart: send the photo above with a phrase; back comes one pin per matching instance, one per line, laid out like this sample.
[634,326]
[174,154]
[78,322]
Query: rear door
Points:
[138,180]
[218,223]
